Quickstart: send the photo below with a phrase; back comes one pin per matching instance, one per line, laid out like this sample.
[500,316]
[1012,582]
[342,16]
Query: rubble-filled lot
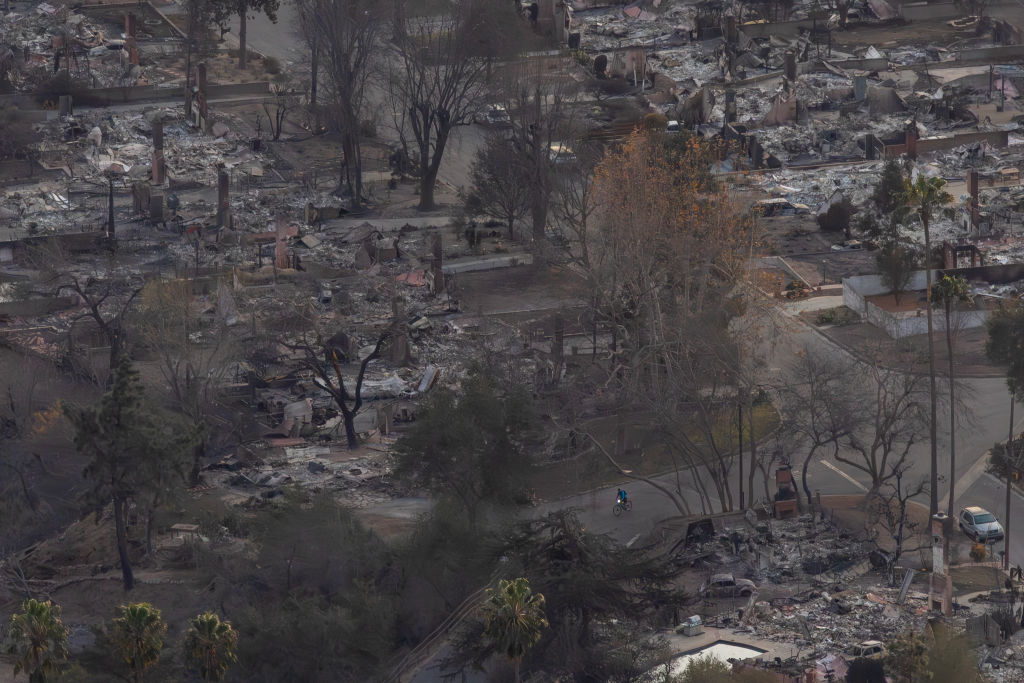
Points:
[821,590]
[286,263]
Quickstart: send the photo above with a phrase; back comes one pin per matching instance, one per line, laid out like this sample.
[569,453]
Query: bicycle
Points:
[620,506]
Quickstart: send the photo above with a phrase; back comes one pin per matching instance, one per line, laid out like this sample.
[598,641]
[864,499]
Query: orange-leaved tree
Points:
[667,249]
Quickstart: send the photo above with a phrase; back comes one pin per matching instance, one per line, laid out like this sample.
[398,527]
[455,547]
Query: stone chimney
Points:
[730,105]
[158,152]
[223,205]
[790,65]
[973,190]
[436,263]
[912,139]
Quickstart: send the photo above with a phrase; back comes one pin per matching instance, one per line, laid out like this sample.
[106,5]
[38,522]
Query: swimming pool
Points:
[722,650]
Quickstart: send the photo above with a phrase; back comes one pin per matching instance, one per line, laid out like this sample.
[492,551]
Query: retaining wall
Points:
[487,263]
[874,64]
[900,325]
[142,93]
[988,54]
[996,138]
[857,289]
[138,93]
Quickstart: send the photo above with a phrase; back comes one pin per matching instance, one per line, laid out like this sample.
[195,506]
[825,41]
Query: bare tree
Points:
[813,404]
[888,510]
[324,358]
[440,76]
[500,183]
[106,303]
[575,203]
[868,416]
[706,405]
[276,110]
[891,405]
[193,355]
[345,35]
[541,101]
[693,424]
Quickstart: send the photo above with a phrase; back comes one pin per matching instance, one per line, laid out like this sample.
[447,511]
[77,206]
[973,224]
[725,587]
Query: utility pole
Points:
[110,205]
[1010,472]
[739,421]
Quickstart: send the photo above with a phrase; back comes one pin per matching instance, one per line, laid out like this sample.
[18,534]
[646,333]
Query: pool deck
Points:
[681,644]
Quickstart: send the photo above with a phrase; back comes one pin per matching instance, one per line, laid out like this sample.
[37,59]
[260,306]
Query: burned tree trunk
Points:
[198,453]
[323,357]
[242,11]
[351,439]
[120,508]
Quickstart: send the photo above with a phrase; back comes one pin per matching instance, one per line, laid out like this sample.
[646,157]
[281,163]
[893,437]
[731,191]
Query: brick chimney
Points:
[912,139]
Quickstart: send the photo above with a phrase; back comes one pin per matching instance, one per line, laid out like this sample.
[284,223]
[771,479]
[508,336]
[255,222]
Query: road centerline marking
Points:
[844,475]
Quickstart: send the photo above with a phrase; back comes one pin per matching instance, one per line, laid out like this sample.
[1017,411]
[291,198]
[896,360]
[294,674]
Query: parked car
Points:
[727,586]
[494,115]
[561,153]
[980,524]
[869,649]
[848,245]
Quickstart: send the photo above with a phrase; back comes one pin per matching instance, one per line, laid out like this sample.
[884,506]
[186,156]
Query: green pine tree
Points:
[135,453]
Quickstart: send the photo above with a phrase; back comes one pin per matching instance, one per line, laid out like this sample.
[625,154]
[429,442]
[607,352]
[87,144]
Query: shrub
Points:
[271,65]
[979,552]
[654,121]
[837,218]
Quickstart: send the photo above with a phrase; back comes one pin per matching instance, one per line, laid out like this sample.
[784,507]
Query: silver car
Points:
[727,586]
[980,524]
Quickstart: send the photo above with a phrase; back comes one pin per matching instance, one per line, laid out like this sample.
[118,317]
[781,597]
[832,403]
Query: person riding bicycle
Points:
[621,497]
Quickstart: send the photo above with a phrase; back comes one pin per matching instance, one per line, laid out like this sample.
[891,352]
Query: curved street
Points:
[988,399]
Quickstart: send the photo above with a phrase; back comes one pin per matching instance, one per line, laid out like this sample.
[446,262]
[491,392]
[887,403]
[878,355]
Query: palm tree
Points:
[139,636]
[37,639]
[1005,346]
[515,618]
[950,290]
[926,198]
[210,646]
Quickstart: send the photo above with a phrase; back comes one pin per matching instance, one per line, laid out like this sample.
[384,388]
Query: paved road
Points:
[988,400]
[278,40]
[281,40]
[459,153]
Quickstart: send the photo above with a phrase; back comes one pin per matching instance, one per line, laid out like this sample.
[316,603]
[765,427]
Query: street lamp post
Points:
[739,414]
[110,205]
